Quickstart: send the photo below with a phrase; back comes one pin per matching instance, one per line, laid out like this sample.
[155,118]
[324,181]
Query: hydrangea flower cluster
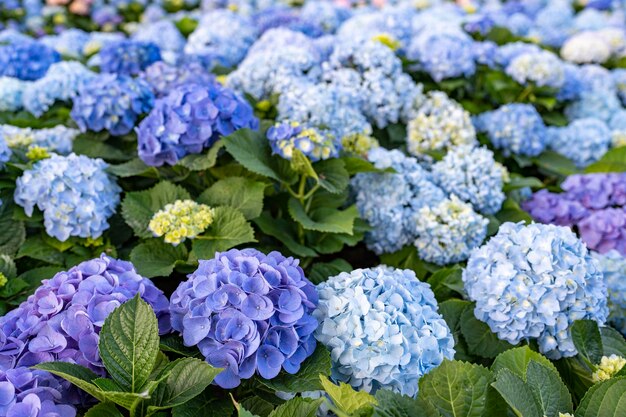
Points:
[608,367]
[439,124]
[247,312]
[26,60]
[58,139]
[111,102]
[543,69]
[547,207]
[514,128]
[74,192]
[382,328]
[61,83]
[584,141]
[127,57]
[598,104]
[62,319]
[390,202]
[605,229]
[165,35]
[533,282]
[613,267]
[287,136]
[27,392]
[191,118]
[11,91]
[473,175]
[183,219]
[164,77]
[5,151]
[448,232]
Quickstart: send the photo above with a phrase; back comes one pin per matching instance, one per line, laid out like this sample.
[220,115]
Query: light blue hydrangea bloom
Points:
[70,42]
[619,77]
[324,14]
[448,232]
[617,124]
[473,175]
[5,152]
[514,128]
[533,282]
[572,83]
[57,139]
[595,78]
[543,69]
[583,141]
[382,328]
[390,201]
[507,52]
[365,25]
[75,193]
[11,92]
[585,48]
[165,35]
[613,266]
[598,104]
[60,83]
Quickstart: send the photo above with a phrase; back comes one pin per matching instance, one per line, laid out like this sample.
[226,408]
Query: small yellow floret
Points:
[609,366]
[37,153]
[184,219]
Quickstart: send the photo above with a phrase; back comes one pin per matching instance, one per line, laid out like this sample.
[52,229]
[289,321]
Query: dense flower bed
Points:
[326,207]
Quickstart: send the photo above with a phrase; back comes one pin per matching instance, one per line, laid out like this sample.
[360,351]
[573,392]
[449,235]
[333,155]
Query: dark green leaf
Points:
[613,342]
[208,404]
[333,176]
[517,394]
[174,343]
[481,341]
[200,162]
[324,219]
[34,247]
[391,404]
[549,390]
[307,378]
[604,399]
[154,257]
[229,229]
[134,167]
[587,339]
[321,271]
[103,410]
[298,407]
[243,194]
[80,376]
[281,230]
[517,359]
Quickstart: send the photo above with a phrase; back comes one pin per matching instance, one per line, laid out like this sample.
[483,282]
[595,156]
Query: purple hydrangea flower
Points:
[128,57]
[163,77]
[247,312]
[26,60]
[189,119]
[61,321]
[604,230]
[547,207]
[596,191]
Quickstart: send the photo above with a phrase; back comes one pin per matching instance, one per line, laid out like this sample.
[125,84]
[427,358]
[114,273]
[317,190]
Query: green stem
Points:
[525,93]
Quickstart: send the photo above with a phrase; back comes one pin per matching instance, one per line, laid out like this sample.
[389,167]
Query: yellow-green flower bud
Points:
[181,220]
[37,153]
[608,367]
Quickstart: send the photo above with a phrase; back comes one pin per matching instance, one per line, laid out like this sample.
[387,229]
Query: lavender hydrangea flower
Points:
[604,230]
[247,312]
[163,77]
[390,202]
[26,60]
[583,141]
[524,287]
[473,175]
[11,92]
[74,192]
[382,328]
[547,207]
[190,118]
[514,128]
[613,266]
[111,102]
[598,190]
[61,321]
[127,57]
[285,137]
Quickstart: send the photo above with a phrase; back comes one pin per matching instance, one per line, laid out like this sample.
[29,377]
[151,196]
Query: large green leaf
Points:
[129,344]
[34,247]
[347,399]
[298,407]
[78,375]
[229,229]
[587,339]
[138,207]
[391,404]
[332,174]
[321,271]
[103,410]
[612,161]
[447,282]
[281,229]
[604,399]
[244,194]
[242,412]
[517,394]
[481,341]
[549,390]
[12,232]
[324,219]
[154,257]
[613,342]
[307,378]
[456,388]
[555,163]
[517,359]
[133,167]
[200,162]
[210,403]
[174,343]
[114,393]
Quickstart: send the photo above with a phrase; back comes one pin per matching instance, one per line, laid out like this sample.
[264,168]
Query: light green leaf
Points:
[347,399]
[391,404]
[114,393]
[612,161]
[229,229]
[80,376]
[243,194]
[480,339]
[333,176]
[138,207]
[517,394]
[355,165]
[549,390]
[587,339]
[129,344]
[103,410]
[134,167]
[555,163]
[517,359]
[456,388]
[281,230]
[210,403]
[604,399]
[258,406]
[200,162]
[302,165]
[298,407]
[154,257]
[324,219]
[613,342]
[34,247]
[307,378]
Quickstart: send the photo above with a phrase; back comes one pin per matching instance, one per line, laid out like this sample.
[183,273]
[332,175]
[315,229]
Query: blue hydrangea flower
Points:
[447,232]
[368,23]
[473,175]
[61,83]
[70,42]
[382,328]
[247,312]
[572,83]
[325,15]
[62,320]
[287,136]
[390,201]
[543,69]
[585,48]
[508,52]
[127,57]
[619,78]
[32,393]
[583,141]
[285,17]
[514,128]
[75,193]
[11,92]
[223,36]
[485,53]
[5,151]
[163,77]
[613,266]
[595,78]
[26,60]
[597,104]
[617,124]
[440,123]
[165,35]
[111,102]
[533,282]
[191,118]
[58,139]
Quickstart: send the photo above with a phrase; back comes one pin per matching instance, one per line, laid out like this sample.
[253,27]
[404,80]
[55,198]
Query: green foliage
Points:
[348,402]
[229,229]
[154,257]
[308,378]
[240,193]
[605,399]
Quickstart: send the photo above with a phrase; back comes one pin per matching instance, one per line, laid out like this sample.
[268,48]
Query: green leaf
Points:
[517,359]
[512,212]
[613,342]
[174,343]
[391,404]
[187,378]
[36,275]
[80,376]
[258,406]
[134,167]
[321,271]
[556,163]
[94,148]
[355,165]
[447,282]
[138,207]
[281,230]
[200,162]
[251,149]
[240,193]
[406,258]
[348,400]
[333,176]
[241,412]
[103,410]
[517,182]
[7,266]
[549,390]
[307,378]
[208,404]
[114,393]
[129,344]
[229,229]
[154,257]
[480,339]
[612,161]
[324,219]
[604,399]
[34,247]
[302,165]
[517,394]
[587,340]
[456,388]
[12,232]
[298,407]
